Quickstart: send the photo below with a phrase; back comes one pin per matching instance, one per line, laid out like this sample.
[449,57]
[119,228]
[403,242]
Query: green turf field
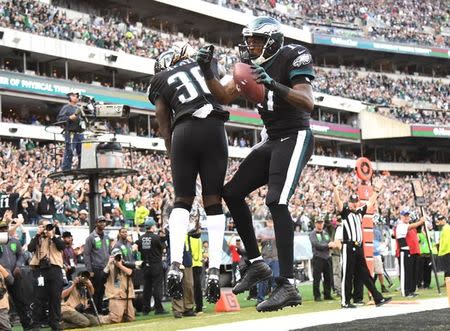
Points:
[248,312]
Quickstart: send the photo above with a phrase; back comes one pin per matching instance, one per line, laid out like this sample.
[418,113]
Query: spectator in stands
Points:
[128,206]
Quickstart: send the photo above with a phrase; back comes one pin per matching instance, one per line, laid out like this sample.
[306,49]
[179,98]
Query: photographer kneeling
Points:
[76,300]
[47,263]
[119,288]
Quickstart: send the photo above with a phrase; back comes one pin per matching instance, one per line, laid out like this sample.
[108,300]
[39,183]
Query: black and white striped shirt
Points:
[352,224]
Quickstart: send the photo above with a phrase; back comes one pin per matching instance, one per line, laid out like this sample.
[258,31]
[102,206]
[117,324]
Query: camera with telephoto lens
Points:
[49,227]
[84,276]
[118,257]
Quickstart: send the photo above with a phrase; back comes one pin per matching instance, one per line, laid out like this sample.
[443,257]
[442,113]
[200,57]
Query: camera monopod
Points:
[94,307]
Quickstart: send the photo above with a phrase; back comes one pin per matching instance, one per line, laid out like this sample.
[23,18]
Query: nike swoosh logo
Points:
[301,52]
[283,139]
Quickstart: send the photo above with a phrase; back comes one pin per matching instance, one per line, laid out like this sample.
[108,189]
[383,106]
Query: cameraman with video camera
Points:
[119,289]
[77,298]
[47,264]
[69,117]
[12,259]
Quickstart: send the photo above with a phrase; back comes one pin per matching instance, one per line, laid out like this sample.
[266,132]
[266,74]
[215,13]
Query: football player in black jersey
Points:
[192,125]
[286,72]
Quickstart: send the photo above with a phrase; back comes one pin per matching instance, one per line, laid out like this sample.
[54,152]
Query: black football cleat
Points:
[256,272]
[174,284]
[285,294]
[383,301]
[212,291]
[348,305]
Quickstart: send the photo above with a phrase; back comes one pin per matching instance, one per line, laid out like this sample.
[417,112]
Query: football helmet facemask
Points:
[268,28]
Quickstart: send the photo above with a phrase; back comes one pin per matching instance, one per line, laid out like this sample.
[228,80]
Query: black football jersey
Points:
[8,202]
[184,90]
[288,66]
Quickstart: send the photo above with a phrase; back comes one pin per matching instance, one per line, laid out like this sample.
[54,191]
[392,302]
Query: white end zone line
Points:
[332,316]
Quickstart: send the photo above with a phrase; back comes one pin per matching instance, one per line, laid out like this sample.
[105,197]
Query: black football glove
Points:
[204,58]
[262,77]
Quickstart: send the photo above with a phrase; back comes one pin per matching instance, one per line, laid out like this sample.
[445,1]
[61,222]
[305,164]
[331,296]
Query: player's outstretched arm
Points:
[300,95]
[224,94]
[164,120]
[337,198]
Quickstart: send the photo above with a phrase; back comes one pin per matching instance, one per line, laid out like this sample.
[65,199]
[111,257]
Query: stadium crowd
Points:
[107,32]
[29,164]
[385,91]
[418,22]
[116,34]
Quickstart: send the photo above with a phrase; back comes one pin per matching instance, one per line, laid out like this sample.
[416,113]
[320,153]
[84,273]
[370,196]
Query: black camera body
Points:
[49,227]
[118,257]
[44,263]
[80,308]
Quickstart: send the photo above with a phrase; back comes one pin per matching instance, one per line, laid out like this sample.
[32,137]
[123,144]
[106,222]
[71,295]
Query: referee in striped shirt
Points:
[353,261]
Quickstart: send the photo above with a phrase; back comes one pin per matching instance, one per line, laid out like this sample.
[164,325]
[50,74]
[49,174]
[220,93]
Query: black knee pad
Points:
[214,209]
[184,205]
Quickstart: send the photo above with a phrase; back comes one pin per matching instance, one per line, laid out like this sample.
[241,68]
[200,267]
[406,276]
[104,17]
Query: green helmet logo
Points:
[266,27]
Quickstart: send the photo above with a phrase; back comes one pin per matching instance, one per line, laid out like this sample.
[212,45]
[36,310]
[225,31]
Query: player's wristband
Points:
[280,89]
[208,74]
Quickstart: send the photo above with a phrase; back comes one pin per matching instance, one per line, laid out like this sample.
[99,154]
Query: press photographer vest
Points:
[116,286]
[4,302]
[47,248]
[74,300]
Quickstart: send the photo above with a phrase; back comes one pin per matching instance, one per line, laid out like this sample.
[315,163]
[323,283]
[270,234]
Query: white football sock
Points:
[259,258]
[216,228]
[178,225]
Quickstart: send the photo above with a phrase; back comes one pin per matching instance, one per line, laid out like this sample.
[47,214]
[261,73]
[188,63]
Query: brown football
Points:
[246,83]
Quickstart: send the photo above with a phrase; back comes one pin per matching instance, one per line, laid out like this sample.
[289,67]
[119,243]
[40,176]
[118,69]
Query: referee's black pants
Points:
[354,266]
[408,272]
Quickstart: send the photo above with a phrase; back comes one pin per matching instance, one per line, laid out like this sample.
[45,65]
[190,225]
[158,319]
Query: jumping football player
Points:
[192,125]
[286,72]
